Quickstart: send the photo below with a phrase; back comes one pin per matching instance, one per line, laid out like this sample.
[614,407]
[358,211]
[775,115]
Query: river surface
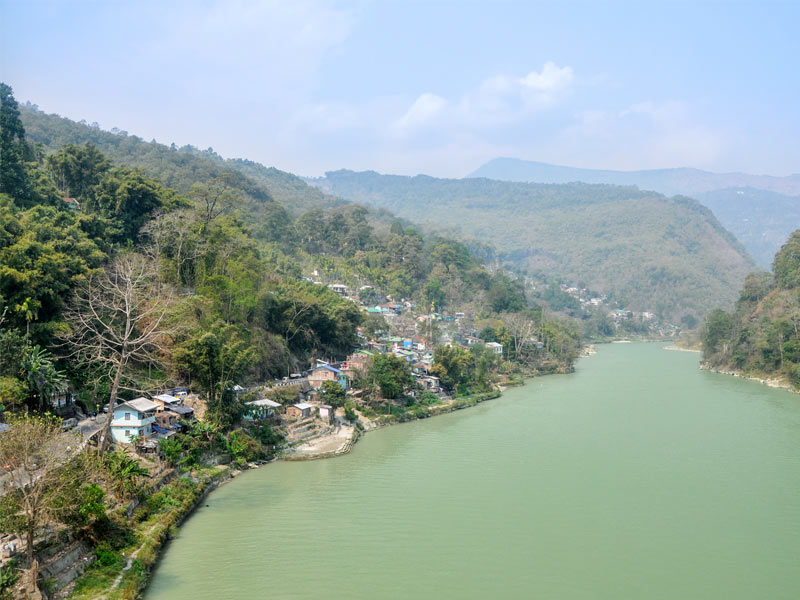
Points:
[638,476]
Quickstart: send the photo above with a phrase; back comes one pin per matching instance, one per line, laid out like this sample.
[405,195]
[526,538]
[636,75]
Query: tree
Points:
[44,381]
[787,263]
[32,452]
[217,358]
[213,199]
[453,365]
[128,198]
[124,472]
[333,394]
[389,375]
[117,321]
[13,149]
[77,169]
[716,332]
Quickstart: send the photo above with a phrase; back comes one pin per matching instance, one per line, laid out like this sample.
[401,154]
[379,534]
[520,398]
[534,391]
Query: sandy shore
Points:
[338,442]
[776,382]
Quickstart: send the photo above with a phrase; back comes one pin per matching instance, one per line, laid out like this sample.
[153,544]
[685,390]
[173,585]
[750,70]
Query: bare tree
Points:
[521,328]
[119,321]
[32,454]
[214,198]
[173,235]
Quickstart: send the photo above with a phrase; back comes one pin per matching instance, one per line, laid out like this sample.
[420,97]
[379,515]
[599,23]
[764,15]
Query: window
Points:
[127,416]
[127,433]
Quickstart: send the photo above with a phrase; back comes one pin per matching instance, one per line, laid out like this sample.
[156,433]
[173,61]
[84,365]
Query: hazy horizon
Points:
[415,88]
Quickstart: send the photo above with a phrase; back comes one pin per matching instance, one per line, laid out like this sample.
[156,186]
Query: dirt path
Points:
[129,564]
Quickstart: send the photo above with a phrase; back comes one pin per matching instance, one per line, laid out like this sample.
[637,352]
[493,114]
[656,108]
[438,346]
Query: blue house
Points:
[133,418]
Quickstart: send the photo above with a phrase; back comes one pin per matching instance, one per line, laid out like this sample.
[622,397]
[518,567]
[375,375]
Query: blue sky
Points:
[424,87]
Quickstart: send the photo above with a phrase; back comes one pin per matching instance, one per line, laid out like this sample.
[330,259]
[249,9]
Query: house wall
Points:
[137,424]
[123,435]
[317,378]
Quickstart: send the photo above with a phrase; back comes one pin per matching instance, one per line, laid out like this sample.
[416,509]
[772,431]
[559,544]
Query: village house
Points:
[338,288]
[133,418]
[166,420]
[358,361]
[429,382]
[71,203]
[63,401]
[325,373]
[184,413]
[261,409]
[495,347]
[301,410]
[165,400]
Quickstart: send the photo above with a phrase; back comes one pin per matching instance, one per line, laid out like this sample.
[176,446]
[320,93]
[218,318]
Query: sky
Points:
[423,87]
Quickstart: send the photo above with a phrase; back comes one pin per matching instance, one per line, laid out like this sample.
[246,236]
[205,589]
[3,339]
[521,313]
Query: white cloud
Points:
[425,108]
[499,100]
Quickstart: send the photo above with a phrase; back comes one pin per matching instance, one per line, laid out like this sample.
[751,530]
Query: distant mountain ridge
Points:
[683,180]
[667,255]
[761,210]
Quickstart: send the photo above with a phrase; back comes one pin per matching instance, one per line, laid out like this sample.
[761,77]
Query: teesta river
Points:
[638,476]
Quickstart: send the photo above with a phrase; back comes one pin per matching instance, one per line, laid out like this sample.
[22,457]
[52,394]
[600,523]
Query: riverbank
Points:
[773,382]
[127,579]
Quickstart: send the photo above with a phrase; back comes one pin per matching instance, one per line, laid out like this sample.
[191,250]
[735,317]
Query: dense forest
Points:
[665,255]
[761,336]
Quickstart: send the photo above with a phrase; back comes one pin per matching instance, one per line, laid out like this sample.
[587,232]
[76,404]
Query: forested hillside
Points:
[233,261]
[759,209]
[761,337]
[666,255]
[177,168]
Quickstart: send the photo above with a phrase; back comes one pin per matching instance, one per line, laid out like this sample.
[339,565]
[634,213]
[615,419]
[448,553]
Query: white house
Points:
[261,409]
[495,347]
[133,418]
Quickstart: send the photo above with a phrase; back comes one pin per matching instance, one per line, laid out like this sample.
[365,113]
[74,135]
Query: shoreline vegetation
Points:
[773,382]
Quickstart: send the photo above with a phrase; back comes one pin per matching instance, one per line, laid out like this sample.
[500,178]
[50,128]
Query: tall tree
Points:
[13,149]
[116,319]
[77,169]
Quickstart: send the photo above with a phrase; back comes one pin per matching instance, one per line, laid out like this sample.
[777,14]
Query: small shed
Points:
[326,413]
[301,410]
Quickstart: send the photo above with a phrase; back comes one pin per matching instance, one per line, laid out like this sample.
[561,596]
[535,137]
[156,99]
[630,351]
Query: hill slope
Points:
[760,219]
[668,255]
[761,210]
[761,337]
[177,168]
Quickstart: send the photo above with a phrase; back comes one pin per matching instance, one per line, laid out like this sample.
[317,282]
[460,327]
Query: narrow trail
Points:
[129,564]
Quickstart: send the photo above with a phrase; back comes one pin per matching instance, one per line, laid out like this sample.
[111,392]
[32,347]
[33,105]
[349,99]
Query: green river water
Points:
[639,476]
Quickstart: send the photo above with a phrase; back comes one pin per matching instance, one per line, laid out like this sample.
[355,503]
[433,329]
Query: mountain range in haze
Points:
[761,210]
[685,181]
